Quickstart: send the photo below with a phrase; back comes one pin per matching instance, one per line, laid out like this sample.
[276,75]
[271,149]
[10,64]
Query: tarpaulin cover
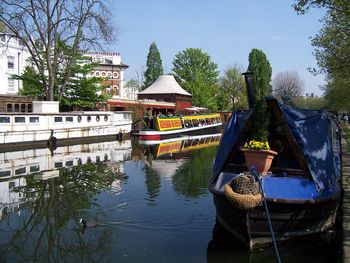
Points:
[312,132]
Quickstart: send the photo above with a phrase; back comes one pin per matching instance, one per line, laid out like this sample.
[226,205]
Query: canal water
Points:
[138,202]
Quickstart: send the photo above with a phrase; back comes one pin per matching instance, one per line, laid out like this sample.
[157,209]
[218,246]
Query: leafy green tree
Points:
[332,49]
[41,26]
[232,86]
[197,74]
[154,66]
[82,91]
[313,103]
[32,85]
[260,67]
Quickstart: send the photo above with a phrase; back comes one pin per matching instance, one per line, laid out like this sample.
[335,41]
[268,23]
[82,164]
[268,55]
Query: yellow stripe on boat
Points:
[165,124]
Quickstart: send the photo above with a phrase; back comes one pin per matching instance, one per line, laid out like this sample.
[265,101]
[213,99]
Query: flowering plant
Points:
[256,145]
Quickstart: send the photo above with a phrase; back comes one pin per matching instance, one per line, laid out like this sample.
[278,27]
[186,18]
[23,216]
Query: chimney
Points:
[250,88]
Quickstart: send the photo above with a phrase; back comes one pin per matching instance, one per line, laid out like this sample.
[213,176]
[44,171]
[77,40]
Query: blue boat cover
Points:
[312,132]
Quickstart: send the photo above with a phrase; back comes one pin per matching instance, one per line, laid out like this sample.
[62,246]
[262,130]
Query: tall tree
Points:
[233,86]
[260,67]
[197,74]
[41,25]
[332,48]
[82,91]
[154,66]
[287,84]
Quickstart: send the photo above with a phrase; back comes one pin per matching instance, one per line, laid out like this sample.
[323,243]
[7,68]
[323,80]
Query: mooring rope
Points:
[259,179]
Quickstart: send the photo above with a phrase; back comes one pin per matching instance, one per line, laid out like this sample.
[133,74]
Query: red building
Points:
[166,89]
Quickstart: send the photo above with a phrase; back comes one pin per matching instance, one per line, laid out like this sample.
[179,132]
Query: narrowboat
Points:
[165,127]
[50,127]
[302,188]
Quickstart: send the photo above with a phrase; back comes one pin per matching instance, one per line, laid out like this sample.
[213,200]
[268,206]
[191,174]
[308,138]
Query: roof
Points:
[312,134]
[165,84]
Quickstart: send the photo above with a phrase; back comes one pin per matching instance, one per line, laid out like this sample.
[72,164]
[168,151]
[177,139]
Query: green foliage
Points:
[312,103]
[197,74]
[81,92]
[154,66]
[232,90]
[261,69]
[32,85]
[332,49]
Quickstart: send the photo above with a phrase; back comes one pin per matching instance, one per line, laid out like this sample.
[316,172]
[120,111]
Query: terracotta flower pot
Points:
[260,159]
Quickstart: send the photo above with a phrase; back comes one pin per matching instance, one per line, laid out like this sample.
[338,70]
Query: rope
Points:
[259,179]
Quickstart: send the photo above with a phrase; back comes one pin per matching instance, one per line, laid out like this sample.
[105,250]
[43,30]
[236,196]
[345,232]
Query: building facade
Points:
[110,67]
[13,60]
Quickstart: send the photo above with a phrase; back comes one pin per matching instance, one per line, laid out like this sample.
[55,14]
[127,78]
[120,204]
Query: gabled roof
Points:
[165,84]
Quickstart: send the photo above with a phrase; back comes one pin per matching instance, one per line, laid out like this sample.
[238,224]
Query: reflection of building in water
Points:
[21,163]
[14,166]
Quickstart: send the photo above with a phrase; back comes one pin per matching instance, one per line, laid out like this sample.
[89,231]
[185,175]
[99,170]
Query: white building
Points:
[13,59]
[112,68]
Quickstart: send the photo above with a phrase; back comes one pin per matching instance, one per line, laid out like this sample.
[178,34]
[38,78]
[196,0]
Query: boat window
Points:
[35,168]
[88,160]
[5,173]
[106,118]
[20,119]
[58,119]
[69,163]
[58,164]
[20,171]
[79,118]
[16,107]
[29,107]
[88,118]
[34,119]
[97,118]
[69,119]
[80,161]
[4,119]
[9,107]
[23,108]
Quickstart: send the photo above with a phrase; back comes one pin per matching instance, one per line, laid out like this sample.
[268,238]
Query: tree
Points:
[332,48]
[313,103]
[42,25]
[233,86]
[260,67]
[154,66]
[82,91]
[287,84]
[197,74]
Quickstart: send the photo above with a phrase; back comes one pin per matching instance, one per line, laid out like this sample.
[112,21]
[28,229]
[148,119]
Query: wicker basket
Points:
[242,201]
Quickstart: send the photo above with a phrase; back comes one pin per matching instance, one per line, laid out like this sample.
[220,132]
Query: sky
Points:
[227,30]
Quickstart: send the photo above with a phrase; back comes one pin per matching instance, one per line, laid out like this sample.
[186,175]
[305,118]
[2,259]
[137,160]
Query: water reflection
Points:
[183,160]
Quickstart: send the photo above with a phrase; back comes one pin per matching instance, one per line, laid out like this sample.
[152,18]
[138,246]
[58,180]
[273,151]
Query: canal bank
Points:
[346,200]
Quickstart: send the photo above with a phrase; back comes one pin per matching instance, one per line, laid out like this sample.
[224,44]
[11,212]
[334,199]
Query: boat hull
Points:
[163,135]
[288,220]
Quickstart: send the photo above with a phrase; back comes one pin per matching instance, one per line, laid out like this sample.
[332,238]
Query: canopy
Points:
[312,133]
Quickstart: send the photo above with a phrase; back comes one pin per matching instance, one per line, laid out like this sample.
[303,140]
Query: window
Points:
[34,168]
[20,119]
[11,84]
[4,119]
[2,38]
[58,165]
[58,119]
[29,107]
[20,171]
[23,108]
[69,119]
[9,107]
[34,119]
[10,62]
[5,173]
[69,163]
